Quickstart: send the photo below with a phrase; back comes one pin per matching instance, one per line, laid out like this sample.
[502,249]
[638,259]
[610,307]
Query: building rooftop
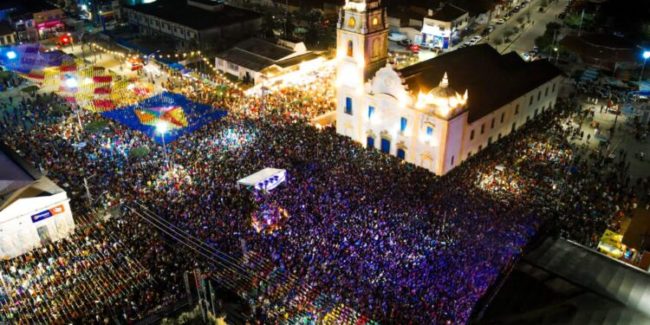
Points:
[257,54]
[448,13]
[492,79]
[5,28]
[178,11]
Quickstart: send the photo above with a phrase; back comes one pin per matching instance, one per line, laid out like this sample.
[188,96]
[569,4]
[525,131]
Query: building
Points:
[256,60]
[33,209]
[193,23]
[7,34]
[32,20]
[438,112]
[442,28]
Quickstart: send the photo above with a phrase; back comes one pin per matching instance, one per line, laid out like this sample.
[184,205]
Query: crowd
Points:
[388,239]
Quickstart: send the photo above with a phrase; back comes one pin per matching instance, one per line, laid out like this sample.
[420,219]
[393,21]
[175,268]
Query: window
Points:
[514,127]
[482,128]
[385,145]
[546,92]
[401,154]
[489,141]
[535,114]
[492,124]
[539,95]
[517,109]
[348,105]
[503,116]
[375,21]
[233,66]
[499,136]
[480,147]
[553,90]
[371,111]
[452,160]
[376,48]
[469,154]
[402,124]
[350,48]
[531,100]
[370,143]
[429,130]
[471,135]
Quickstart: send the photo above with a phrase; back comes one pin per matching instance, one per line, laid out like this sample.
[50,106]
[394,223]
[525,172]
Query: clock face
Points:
[352,22]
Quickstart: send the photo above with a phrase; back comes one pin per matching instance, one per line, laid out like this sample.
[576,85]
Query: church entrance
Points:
[385,145]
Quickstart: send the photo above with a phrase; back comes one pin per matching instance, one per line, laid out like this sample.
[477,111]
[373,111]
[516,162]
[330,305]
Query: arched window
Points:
[370,142]
[401,153]
[375,48]
[350,48]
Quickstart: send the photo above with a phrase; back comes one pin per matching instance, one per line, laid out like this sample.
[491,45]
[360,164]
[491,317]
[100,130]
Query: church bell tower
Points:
[361,50]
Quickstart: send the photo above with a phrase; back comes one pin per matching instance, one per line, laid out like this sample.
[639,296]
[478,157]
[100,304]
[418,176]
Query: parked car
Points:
[475,39]
[500,21]
[414,48]
[397,37]
[405,42]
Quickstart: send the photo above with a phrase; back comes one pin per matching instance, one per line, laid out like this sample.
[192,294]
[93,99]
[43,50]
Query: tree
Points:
[314,21]
[268,25]
[289,26]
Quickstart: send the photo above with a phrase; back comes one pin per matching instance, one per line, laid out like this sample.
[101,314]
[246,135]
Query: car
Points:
[414,48]
[500,21]
[405,42]
[396,37]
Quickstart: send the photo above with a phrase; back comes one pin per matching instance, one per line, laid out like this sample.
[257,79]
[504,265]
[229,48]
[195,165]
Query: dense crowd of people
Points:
[387,239]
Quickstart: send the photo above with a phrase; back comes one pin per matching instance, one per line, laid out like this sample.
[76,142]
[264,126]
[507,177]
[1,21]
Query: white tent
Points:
[265,179]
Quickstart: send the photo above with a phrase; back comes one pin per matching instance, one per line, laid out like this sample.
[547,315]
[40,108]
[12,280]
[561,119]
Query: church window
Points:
[471,135]
[482,128]
[352,22]
[429,130]
[503,116]
[517,109]
[402,124]
[348,105]
[539,95]
[385,145]
[546,92]
[452,160]
[401,153]
[350,48]
[492,124]
[531,100]
[375,48]
[375,21]
[553,88]
[371,111]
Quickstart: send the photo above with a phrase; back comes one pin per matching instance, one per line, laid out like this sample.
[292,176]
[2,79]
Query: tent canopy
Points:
[265,179]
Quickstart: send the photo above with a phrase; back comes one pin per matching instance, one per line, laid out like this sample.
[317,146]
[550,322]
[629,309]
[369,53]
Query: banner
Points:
[48,213]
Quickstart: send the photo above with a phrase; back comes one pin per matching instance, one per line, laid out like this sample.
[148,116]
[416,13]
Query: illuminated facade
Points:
[437,113]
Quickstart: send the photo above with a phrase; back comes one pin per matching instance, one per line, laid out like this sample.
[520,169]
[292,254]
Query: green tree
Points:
[314,20]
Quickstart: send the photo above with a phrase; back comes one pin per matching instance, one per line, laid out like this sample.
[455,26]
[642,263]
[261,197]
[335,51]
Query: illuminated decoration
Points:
[71,82]
[172,117]
[441,100]
[611,243]
[355,5]
[646,55]
[181,115]
[11,55]
[269,218]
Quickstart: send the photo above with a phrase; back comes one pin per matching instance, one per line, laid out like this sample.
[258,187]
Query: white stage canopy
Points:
[265,179]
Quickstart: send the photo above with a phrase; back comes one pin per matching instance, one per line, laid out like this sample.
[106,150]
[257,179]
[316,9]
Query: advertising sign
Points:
[48,213]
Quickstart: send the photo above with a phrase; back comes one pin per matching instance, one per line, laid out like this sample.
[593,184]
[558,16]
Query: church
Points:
[438,112]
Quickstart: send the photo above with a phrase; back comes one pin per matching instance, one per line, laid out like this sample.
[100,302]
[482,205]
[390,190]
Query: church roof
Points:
[491,79]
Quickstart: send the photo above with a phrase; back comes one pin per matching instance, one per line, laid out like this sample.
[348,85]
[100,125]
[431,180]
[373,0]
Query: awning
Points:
[265,179]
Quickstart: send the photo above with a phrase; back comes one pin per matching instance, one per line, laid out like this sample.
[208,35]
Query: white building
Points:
[438,112]
[257,60]
[442,28]
[33,210]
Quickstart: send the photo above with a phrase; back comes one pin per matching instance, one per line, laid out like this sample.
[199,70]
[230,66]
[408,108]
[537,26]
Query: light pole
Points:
[161,128]
[646,56]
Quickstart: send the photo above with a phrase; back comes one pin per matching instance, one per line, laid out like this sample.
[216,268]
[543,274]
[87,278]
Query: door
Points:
[385,145]
[44,235]
[370,143]
[401,154]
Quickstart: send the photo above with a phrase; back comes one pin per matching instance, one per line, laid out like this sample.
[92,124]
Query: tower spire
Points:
[444,83]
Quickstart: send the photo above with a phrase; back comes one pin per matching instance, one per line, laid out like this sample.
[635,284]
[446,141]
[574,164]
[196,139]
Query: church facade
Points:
[439,112]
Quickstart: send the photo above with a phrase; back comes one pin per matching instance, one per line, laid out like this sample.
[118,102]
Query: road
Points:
[525,40]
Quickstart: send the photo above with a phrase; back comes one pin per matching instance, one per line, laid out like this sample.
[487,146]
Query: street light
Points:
[161,128]
[646,56]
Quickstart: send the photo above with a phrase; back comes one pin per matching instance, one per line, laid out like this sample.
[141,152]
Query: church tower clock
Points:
[361,50]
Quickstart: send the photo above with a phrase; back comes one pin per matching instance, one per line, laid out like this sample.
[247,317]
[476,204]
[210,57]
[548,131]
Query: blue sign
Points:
[42,216]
